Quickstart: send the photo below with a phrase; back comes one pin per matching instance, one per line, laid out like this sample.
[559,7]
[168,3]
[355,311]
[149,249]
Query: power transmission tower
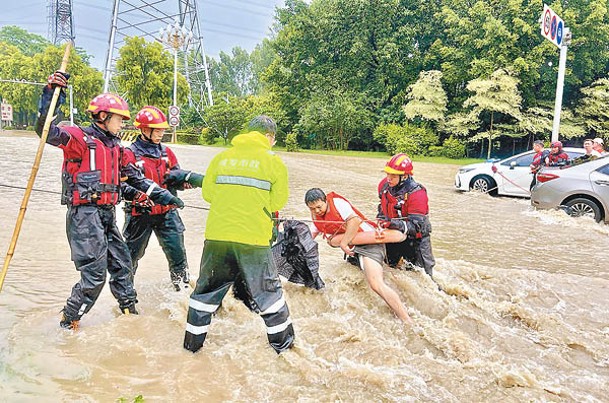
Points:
[144,19]
[61,21]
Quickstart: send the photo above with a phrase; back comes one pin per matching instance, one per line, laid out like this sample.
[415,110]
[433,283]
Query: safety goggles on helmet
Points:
[556,144]
[109,103]
[151,117]
[399,164]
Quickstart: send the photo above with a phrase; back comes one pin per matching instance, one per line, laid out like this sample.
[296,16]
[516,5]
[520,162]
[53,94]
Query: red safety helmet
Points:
[399,164]
[110,103]
[556,144]
[152,117]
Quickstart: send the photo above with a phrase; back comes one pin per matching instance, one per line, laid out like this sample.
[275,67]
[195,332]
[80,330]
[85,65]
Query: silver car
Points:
[510,176]
[582,190]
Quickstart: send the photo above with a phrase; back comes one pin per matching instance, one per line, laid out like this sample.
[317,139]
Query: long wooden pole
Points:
[34,172]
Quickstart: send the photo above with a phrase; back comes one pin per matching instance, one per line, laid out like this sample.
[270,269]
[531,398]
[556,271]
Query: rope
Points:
[58,193]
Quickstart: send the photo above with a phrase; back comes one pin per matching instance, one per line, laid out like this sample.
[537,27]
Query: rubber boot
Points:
[68,323]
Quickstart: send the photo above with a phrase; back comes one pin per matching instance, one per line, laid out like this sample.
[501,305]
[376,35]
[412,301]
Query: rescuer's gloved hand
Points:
[177,201]
[195,179]
[175,177]
[398,224]
[58,79]
[142,199]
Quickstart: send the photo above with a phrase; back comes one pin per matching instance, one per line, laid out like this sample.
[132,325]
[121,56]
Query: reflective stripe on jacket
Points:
[243,185]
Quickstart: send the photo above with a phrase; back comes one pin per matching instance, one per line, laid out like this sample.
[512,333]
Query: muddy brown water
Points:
[523,317]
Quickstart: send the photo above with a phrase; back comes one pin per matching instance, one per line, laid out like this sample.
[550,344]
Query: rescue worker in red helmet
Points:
[93,166]
[557,156]
[404,206]
[158,163]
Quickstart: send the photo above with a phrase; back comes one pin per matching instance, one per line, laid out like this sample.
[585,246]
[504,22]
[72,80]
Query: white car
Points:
[510,176]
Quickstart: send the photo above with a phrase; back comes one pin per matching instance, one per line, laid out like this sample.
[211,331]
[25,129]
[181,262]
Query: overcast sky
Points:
[224,23]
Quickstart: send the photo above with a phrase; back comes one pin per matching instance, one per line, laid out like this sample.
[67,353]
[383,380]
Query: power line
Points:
[228,26]
[238,9]
[254,3]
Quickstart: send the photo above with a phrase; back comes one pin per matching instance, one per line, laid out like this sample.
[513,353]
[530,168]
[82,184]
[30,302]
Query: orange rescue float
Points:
[370,238]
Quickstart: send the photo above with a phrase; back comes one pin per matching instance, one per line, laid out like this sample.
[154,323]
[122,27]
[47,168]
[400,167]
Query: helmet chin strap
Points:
[103,122]
[147,138]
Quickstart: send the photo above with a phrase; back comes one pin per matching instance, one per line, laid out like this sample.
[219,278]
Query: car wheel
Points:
[483,184]
[581,207]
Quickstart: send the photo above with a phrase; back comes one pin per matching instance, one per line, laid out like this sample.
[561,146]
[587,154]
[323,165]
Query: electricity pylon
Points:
[61,21]
[144,19]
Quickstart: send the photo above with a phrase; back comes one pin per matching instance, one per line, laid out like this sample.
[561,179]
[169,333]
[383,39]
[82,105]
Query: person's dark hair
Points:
[263,124]
[538,142]
[314,194]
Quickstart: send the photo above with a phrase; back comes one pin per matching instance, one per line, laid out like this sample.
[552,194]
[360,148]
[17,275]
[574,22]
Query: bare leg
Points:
[374,275]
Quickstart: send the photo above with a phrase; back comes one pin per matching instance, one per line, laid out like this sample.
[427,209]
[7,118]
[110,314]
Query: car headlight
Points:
[465,170]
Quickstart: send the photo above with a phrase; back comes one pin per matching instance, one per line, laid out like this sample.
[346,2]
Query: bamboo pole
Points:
[34,172]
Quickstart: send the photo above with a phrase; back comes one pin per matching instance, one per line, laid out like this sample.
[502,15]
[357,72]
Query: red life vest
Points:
[406,201]
[91,170]
[332,223]
[155,169]
[538,161]
[555,159]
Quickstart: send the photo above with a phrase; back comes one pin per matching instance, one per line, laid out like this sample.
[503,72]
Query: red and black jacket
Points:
[154,161]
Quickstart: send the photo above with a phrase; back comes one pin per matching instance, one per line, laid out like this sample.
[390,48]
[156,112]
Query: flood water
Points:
[523,315]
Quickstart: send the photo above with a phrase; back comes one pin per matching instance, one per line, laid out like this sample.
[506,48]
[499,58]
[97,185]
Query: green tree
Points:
[85,81]
[491,96]
[594,108]
[261,57]
[233,73]
[426,98]
[335,118]
[144,73]
[225,118]
[29,44]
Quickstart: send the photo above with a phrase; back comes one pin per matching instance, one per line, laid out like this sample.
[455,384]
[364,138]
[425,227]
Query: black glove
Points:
[195,179]
[177,201]
[175,177]
[58,79]
[398,224]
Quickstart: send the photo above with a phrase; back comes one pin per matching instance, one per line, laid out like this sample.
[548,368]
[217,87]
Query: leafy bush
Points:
[453,148]
[207,136]
[409,139]
[187,138]
[291,142]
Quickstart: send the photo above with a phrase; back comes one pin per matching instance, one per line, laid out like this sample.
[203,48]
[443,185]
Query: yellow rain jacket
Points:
[240,183]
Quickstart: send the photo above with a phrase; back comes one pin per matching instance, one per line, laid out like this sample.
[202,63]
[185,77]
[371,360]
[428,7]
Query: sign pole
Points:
[562,63]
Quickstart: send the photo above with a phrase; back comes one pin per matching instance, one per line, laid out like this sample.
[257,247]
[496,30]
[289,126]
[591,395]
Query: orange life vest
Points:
[332,223]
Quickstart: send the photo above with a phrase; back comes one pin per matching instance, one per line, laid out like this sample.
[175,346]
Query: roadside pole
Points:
[553,29]
[562,65]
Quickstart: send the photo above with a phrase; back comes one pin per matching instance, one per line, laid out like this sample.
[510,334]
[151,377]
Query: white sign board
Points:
[552,26]
[174,121]
[174,111]
[7,112]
